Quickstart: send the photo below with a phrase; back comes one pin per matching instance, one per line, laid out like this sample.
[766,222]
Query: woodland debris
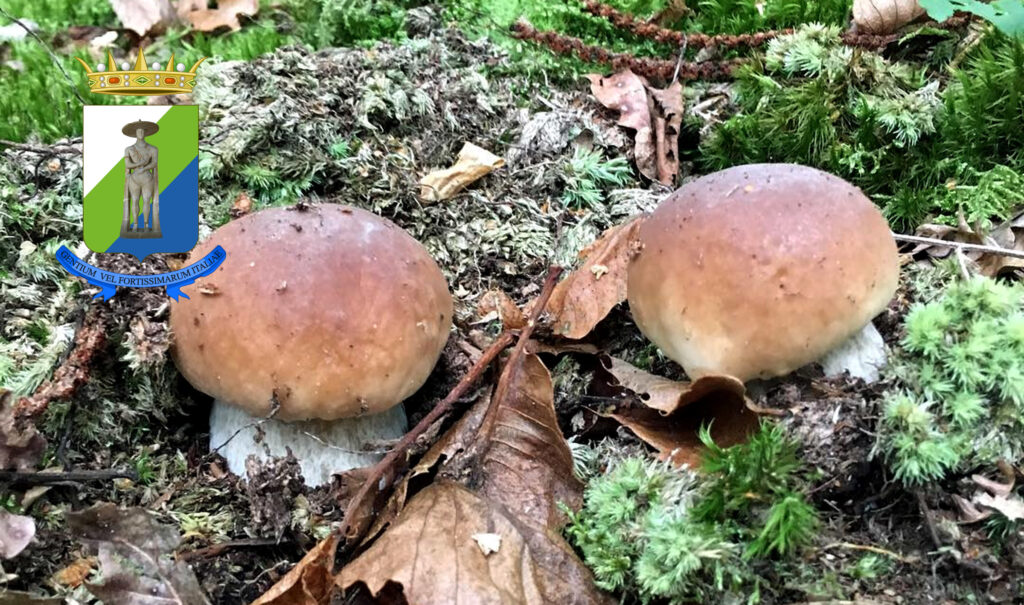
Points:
[225,15]
[145,16]
[310,582]
[655,114]
[884,16]
[586,295]
[136,555]
[16,532]
[665,395]
[473,164]
[998,251]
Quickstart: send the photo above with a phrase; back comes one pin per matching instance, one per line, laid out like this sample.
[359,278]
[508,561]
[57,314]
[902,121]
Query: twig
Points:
[910,560]
[961,245]
[929,520]
[50,478]
[376,477]
[216,549]
[44,149]
[56,61]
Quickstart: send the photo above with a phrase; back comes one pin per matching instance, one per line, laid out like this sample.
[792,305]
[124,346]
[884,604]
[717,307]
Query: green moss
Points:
[660,533]
[53,15]
[959,402]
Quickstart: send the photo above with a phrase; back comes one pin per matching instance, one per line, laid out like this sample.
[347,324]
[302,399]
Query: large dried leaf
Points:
[1008,235]
[21,445]
[884,16]
[225,15]
[1011,507]
[516,467]
[136,555]
[473,164]
[145,16]
[673,412]
[655,115]
[581,300]
[16,532]
[665,395]
[310,582]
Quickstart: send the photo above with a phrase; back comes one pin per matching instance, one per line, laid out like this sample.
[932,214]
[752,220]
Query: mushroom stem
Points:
[322,447]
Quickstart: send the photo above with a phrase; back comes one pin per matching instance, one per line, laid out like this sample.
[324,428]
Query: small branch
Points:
[217,549]
[875,549]
[44,149]
[56,61]
[962,246]
[48,478]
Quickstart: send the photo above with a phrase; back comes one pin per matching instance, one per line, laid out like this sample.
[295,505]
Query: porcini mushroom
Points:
[326,317]
[757,270]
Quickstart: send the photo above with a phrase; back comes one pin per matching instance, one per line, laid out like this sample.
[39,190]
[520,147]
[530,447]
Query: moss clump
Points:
[657,532]
[960,375]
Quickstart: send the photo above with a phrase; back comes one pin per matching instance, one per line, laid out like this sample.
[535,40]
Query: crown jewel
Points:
[141,80]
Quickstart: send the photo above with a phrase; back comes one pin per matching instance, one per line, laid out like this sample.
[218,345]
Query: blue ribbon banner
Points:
[109,282]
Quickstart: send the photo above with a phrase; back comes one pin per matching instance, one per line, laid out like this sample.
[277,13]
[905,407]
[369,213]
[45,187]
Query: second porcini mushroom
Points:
[323,318]
[757,270]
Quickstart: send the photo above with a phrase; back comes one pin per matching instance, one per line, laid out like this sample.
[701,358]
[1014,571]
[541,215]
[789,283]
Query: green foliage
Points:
[1007,15]
[657,531]
[52,15]
[323,23]
[960,400]
[742,16]
[587,173]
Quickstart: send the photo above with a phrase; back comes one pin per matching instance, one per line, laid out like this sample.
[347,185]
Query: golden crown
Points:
[141,79]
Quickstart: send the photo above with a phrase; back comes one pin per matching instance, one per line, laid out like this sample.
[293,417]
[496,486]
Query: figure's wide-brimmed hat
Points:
[149,128]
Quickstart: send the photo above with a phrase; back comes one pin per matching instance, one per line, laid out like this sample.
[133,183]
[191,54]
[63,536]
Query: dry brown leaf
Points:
[655,115]
[225,15]
[16,532]
[521,468]
[473,163]
[1011,507]
[241,206]
[503,308]
[674,412]
[21,446]
[73,575]
[585,297]
[310,582]
[665,395]
[136,557]
[184,7]
[884,16]
[17,597]
[145,16]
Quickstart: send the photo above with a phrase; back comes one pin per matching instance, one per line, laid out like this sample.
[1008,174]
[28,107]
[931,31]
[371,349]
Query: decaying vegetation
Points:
[798,488]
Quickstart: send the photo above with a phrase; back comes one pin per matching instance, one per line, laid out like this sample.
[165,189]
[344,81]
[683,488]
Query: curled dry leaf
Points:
[310,582]
[16,531]
[1011,507]
[656,116]
[145,16]
[674,412]
[136,555]
[225,15]
[473,163]
[21,445]
[521,468]
[585,296]
[503,309]
[884,16]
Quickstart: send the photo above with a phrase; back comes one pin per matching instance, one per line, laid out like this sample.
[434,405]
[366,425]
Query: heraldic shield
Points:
[141,178]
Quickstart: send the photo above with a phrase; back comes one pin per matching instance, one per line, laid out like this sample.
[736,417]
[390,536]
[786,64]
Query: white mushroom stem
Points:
[322,447]
[862,355]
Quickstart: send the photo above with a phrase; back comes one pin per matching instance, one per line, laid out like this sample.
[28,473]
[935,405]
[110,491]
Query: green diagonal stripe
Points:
[178,142]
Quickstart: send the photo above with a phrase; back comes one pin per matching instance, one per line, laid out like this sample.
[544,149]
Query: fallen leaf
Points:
[473,163]
[655,114]
[673,412]
[225,15]
[520,468]
[144,16]
[21,445]
[1011,507]
[16,532]
[994,487]
[884,16]
[584,298]
[17,597]
[73,575]
[136,555]
[310,582]
[241,206]
[184,7]
[503,308]
[666,395]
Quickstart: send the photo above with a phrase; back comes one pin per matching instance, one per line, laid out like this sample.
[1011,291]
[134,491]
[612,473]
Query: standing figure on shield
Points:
[141,184]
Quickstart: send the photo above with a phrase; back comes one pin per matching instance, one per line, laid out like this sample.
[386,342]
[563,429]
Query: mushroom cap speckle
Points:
[333,310]
[757,270]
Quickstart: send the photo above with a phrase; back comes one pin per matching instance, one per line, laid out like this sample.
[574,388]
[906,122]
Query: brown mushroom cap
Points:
[757,270]
[336,311]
